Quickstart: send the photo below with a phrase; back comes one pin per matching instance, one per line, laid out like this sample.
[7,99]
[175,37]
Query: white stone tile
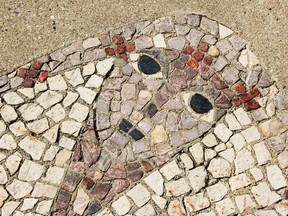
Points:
[67,143]
[232,122]
[94,81]
[275,177]
[52,134]
[49,98]
[219,168]
[222,132]
[155,182]
[74,77]
[44,207]
[8,142]
[71,127]
[56,113]
[139,194]
[38,126]
[177,188]
[282,207]
[239,181]
[81,202]
[62,158]
[197,178]
[122,205]
[57,83]
[196,202]
[217,192]
[104,66]
[2,128]
[19,189]
[170,170]
[13,161]
[51,153]
[159,41]
[44,190]
[86,94]
[28,92]
[187,161]
[242,116]
[88,69]
[70,98]
[251,134]
[79,112]
[224,31]
[244,161]
[209,140]
[28,203]
[262,153]
[3,195]
[32,146]
[145,210]
[30,111]
[265,213]
[225,207]
[8,113]
[228,155]
[244,203]
[9,207]
[160,202]
[263,195]
[18,128]
[175,208]
[3,175]
[12,98]
[238,141]
[256,173]
[30,171]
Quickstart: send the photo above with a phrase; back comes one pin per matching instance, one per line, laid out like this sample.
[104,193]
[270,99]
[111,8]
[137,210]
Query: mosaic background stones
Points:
[91,134]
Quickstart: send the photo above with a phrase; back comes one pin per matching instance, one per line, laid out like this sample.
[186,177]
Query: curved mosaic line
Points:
[170,117]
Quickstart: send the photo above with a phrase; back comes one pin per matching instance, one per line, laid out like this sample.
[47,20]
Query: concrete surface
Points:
[32,28]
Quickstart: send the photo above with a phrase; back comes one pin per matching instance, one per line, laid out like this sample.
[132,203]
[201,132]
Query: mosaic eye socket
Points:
[200,104]
[148,65]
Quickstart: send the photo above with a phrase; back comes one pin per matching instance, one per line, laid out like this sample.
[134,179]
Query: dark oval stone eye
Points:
[148,65]
[200,104]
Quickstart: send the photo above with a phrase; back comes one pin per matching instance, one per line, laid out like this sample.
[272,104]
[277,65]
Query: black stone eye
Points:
[148,65]
[200,104]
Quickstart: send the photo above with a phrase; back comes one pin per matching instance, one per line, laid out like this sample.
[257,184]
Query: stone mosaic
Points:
[168,117]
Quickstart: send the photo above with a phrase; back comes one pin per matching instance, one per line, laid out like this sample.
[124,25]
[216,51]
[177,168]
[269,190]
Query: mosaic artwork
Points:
[175,117]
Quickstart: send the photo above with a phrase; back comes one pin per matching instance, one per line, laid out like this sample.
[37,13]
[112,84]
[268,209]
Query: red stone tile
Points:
[246,97]
[124,57]
[206,72]
[208,60]
[43,76]
[255,92]
[28,83]
[130,47]
[77,167]
[135,175]
[33,73]
[63,199]
[147,166]
[87,183]
[109,197]
[237,102]
[22,72]
[120,49]
[71,181]
[193,64]
[178,79]
[188,50]
[61,212]
[110,51]
[90,153]
[229,93]
[36,65]
[132,166]
[203,47]
[120,185]
[94,174]
[198,56]
[252,105]
[239,88]
[116,171]
[77,153]
[101,190]
[118,40]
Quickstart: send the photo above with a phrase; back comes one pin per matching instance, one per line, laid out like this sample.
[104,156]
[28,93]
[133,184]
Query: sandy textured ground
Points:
[32,28]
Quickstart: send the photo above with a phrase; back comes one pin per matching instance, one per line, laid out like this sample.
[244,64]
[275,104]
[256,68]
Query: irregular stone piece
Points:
[79,112]
[209,25]
[194,37]
[197,178]
[244,203]
[19,189]
[159,41]
[239,181]
[32,146]
[251,134]
[94,81]
[155,182]
[54,175]
[81,201]
[217,192]
[71,127]
[30,171]
[177,188]
[224,31]
[139,194]
[263,195]
[17,128]
[122,205]
[49,98]
[7,142]
[3,175]
[219,168]
[196,202]
[86,94]
[222,132]
[38,126]
[170,170]
[262,153]
[70,98]
[8,113]
[9,207]
[12,98]
[104,66]
[225,207]
[209,140]
[57,83]
[74,77]
[275,177]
